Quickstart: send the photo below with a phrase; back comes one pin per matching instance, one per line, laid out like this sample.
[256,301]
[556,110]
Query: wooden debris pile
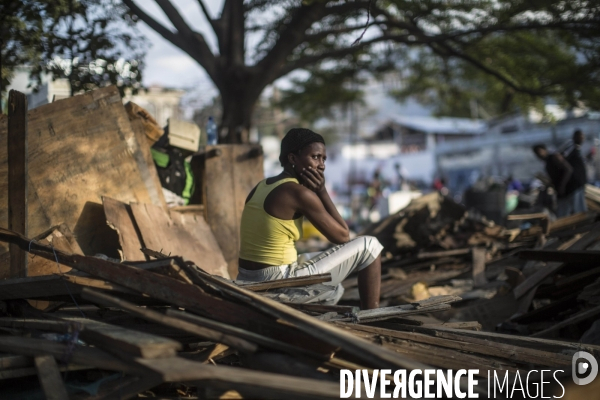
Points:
[176,331]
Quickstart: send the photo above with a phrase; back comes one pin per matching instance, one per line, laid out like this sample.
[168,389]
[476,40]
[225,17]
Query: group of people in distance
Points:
[567,172]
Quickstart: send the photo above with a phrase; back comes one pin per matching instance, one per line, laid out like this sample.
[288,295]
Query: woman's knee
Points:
[372,245]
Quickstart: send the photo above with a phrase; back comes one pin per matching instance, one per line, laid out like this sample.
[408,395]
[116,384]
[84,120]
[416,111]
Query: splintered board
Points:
[228,179]
[187,236]
[80,149]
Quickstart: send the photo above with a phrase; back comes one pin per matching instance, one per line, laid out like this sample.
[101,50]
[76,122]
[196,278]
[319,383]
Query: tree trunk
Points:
[238,106]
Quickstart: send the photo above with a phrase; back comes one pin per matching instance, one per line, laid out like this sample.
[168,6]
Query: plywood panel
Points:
[79,149]
[118,216]
[228,178]
[160,233]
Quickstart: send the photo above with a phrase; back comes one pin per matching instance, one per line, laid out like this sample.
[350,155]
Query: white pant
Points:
[340,261]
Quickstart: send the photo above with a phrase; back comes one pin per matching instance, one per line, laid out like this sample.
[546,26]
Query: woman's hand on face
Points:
[313,179]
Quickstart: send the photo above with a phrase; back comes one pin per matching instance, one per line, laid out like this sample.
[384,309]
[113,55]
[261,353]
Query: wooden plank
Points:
[535,279]
[50,378]
[61,238]
[81,355]
[564,256]
[445,253]
[204,240]
[575,319]
[380,314]
[119,218]
[80,149]
[251,383]
[228,179]
[520,217]
[321,308]
[146,164]
[571,220]
[17,177]
[288,282]
[124,388]
[480,346]
[35,287]
[245,334]
[10,361]
[479,278]
[119,340]
[160,233]
[153,316]
[95,283]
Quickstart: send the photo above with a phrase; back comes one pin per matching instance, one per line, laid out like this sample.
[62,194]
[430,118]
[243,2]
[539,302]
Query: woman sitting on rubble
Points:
[272,222]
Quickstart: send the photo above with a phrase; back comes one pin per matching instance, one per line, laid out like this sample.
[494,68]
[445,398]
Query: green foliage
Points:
[502,55]
[315,97]
[83,41]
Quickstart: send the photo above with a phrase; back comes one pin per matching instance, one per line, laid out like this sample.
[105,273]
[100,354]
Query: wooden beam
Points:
[118,340]
[50,378]
[288,282]
[535,279]
[444,253]
[565,256]
[321,308]
[479,278]
[80,355]
[17,178]
[154,316]
[252,383]
[575,319]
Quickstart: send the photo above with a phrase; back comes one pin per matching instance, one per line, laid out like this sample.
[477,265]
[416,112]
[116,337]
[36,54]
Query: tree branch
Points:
[214,23]
[152,23]
[175,18]
[479,65]
[337,53]
[187,40]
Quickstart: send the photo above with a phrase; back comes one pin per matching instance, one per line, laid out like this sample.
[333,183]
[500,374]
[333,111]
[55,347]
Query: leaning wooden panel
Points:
[119,218]
[175,237]
[79,149]
[228,178]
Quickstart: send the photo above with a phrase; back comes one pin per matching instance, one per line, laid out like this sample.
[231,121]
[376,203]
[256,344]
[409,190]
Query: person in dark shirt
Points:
[578,180]
[560,173]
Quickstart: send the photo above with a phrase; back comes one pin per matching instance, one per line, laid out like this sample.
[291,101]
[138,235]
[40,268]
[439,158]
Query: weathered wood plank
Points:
[535,279]
[479,278]
[81,355]
[119,218]
[119,340]
[565,256]
[17,178]
[50,378]
[575,319]
[288,282]
[153,316]
[251,383]
[227,180]
[170,237]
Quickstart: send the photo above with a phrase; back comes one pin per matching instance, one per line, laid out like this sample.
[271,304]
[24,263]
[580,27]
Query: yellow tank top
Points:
[264,238]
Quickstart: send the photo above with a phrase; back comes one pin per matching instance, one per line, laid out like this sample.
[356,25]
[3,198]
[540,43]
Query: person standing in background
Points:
[578,180]
[559,171]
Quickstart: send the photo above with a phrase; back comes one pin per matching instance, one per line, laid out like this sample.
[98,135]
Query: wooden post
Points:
[17,178]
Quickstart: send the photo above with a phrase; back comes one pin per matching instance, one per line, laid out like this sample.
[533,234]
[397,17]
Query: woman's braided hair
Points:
[295,140]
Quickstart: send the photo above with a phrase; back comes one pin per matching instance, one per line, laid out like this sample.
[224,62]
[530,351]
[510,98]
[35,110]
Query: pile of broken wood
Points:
[167,328]
[542,280]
